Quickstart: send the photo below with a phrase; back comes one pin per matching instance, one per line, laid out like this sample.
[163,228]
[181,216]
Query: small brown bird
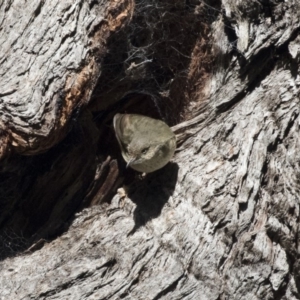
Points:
[146,144]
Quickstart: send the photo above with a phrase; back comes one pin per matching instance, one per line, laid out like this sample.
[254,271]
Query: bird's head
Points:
[140,152]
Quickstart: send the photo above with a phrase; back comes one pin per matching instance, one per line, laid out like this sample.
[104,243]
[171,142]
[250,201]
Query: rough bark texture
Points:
[219,222]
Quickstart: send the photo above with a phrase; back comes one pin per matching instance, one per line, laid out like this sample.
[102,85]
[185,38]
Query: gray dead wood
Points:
[219,222]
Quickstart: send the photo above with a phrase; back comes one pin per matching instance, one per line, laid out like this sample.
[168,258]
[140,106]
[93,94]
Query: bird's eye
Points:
[144,151]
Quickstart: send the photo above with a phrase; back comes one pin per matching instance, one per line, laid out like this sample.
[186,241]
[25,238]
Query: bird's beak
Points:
[130,162]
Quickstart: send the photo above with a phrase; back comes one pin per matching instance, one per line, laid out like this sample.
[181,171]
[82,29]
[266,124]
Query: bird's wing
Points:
[123,130]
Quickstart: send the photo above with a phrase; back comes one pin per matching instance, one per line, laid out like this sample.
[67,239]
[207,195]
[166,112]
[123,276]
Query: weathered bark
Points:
[219,222]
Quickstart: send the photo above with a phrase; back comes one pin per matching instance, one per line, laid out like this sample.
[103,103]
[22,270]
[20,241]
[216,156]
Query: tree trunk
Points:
[221,220]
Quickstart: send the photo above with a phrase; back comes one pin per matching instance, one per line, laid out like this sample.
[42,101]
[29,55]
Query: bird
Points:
[146,144]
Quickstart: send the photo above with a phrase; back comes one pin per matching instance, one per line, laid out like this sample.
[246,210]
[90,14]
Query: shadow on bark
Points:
[152,193]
